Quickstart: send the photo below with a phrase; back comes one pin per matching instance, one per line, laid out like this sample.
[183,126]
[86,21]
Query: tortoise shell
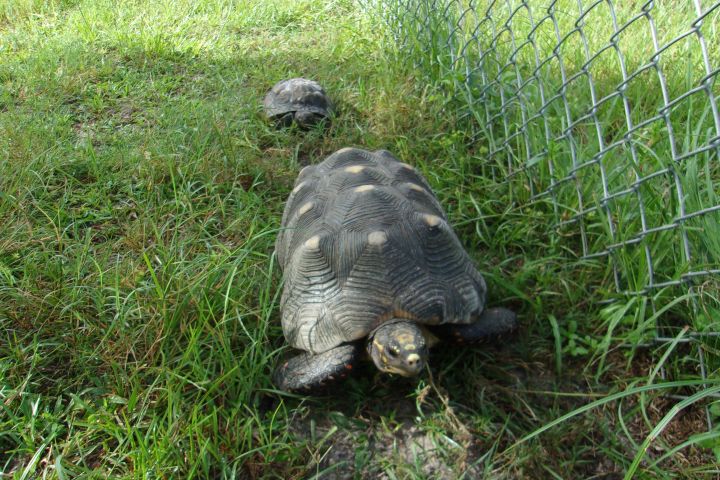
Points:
[299,98]
[363,241]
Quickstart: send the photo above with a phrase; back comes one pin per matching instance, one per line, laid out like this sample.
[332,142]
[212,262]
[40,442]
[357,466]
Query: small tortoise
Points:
[297,99]
[368,258]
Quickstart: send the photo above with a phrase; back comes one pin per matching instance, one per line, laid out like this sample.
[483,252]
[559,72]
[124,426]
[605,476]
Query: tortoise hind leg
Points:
[307,372]
[493,322]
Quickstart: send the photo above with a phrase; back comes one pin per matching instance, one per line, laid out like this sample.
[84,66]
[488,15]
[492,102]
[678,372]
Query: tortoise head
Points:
[307,118]
[398,346]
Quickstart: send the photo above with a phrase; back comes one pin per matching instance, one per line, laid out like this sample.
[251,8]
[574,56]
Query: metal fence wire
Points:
[606,111]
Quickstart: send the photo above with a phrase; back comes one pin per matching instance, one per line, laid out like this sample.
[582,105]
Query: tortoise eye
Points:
[393,352]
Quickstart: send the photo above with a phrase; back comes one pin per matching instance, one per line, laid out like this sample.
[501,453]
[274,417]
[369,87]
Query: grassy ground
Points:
[140,194]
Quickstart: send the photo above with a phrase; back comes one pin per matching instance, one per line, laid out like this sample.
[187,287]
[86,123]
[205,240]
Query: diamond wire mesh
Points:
[606,110]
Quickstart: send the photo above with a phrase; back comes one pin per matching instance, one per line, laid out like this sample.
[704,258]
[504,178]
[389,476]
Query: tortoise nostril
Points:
[413,359]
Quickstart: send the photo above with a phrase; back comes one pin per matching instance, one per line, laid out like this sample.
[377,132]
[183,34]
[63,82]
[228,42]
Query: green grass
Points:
[140,194]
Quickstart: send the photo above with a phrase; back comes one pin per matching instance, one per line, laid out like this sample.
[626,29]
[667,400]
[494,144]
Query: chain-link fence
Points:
[605,112]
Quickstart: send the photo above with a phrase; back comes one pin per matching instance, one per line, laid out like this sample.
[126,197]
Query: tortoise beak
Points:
[413,365]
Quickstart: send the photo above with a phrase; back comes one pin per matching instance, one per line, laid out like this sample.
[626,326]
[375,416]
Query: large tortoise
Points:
[369,259]
[297,100]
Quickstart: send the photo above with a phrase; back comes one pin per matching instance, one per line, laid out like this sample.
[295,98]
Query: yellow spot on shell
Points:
[364,188]
[313,242]
[355,168]
[406,166]
[377,238]
[431,220]
[298,187]
[416,187]
[305,208]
